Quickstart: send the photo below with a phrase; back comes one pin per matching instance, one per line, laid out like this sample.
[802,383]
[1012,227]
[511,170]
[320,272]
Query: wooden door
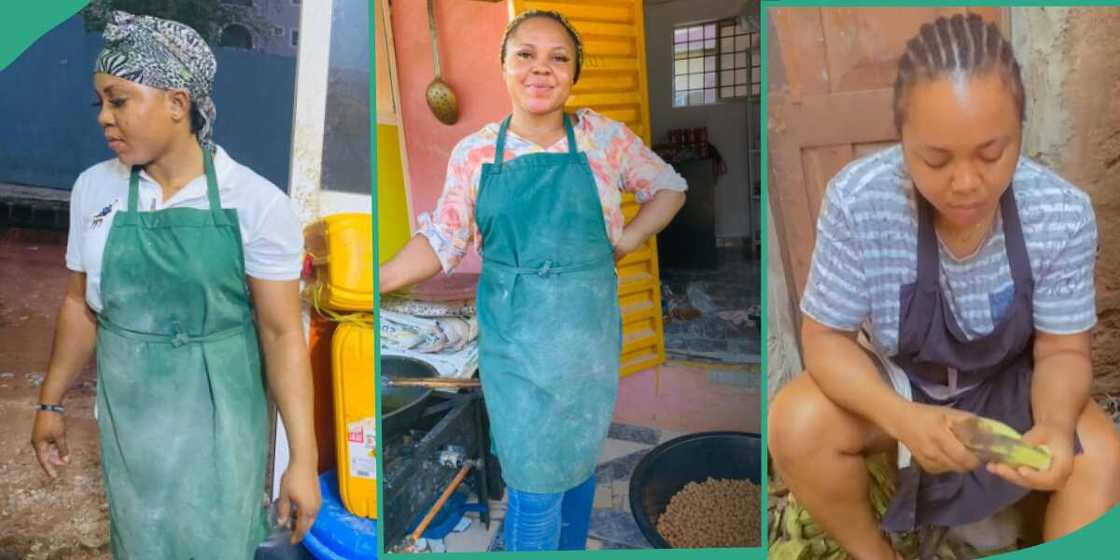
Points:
[386,76]
[831,75]
[613,82]
[394,205]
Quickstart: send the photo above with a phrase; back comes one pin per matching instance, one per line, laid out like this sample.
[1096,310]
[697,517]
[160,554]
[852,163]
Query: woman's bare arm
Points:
[416,262]
[75,335]
[288,369]
[652,217]
[847,375]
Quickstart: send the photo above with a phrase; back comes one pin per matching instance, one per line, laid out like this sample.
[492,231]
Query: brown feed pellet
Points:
[716,513]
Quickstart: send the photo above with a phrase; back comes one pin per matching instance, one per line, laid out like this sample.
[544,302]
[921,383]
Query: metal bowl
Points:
[401,406]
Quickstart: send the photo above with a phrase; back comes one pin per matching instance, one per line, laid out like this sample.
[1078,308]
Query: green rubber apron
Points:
[549,321]
[182,407]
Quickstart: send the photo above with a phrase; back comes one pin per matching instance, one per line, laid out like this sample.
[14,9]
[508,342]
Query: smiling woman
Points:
[539,195]
[969,268]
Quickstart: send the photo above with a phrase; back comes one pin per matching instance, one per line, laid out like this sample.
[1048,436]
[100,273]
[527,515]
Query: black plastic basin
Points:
[690,458]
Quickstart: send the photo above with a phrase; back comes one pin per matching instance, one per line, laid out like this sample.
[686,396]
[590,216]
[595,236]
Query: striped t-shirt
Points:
[866,251]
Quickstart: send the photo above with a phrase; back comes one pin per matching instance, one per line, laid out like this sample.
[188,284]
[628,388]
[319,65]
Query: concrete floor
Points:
[654,406]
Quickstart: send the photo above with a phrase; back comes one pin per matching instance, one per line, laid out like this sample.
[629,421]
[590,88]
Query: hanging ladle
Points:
[441,99]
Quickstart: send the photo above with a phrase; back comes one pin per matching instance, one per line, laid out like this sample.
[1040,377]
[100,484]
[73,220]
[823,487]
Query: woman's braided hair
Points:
[961,45]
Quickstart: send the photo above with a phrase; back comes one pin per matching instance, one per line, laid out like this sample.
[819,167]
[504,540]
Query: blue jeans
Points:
[555,521]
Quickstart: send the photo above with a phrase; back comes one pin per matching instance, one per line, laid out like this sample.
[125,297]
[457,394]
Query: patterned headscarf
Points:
[162,54]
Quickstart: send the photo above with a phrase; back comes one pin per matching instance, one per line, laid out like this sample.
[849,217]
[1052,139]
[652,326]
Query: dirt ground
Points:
[41,519]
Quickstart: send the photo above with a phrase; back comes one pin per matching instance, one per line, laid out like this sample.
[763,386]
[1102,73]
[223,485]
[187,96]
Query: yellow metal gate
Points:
[613,83]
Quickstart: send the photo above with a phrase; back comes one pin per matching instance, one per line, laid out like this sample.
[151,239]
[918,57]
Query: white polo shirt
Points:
[271,235]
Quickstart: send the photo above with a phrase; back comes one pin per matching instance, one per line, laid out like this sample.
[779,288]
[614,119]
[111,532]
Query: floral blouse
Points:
[619,162]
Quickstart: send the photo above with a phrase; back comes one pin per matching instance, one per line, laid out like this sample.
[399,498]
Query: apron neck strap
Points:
[134,188]
[500,148]
[211,181]
[211,184]
[1014,240]
[928,258]
[499,151]
[571,134]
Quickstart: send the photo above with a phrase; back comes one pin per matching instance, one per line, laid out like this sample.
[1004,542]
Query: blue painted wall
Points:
[49,132]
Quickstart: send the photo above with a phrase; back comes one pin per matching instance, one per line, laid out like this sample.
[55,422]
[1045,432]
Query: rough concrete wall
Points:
[1037,35]
[1071,64]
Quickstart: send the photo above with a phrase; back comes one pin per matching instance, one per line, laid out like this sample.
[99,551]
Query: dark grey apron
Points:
[996,367]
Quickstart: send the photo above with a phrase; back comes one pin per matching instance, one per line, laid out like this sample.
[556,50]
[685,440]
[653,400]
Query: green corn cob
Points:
[995,442]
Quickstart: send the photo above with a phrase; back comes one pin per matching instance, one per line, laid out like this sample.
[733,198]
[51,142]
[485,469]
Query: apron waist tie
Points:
[176,340]
[547,267]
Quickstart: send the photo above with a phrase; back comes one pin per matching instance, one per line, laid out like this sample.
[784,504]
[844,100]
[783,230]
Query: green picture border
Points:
[24,22]
[380,468]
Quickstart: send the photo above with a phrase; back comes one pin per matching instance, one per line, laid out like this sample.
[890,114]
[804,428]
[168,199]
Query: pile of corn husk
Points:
[793,535]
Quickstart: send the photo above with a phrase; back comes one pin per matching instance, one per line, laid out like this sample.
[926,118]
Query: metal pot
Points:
[401,406]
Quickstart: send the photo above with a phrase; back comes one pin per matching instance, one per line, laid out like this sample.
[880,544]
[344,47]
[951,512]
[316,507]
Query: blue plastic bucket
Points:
[338,534]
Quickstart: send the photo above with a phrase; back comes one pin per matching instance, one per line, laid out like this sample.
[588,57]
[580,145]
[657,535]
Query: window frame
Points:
[752,67]
[704,74]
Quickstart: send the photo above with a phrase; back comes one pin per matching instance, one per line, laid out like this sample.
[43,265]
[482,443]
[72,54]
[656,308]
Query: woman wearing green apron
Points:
[539,196]
[970,269]
[185,275]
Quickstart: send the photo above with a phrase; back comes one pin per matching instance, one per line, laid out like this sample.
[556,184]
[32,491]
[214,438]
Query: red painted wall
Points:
[470,34]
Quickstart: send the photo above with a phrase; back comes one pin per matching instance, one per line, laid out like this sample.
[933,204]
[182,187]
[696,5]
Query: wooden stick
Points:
[423,526]
[433,383]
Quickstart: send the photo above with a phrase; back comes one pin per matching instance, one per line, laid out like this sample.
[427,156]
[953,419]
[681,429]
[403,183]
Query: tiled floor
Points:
[718,388]
[692,397]
[654,406]
[723,296]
